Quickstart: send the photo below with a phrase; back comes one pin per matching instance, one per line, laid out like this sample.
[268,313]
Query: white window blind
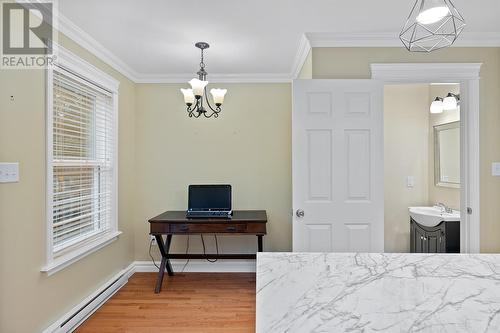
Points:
[83,156]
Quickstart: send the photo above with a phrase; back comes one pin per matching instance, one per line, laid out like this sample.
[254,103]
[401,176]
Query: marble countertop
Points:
[349,292]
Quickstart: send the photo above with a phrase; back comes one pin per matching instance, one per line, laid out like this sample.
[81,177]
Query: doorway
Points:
[467,74]
[338,199]
[422,168]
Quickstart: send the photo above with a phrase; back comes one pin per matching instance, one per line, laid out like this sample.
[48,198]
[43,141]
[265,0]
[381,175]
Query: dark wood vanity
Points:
[443,238]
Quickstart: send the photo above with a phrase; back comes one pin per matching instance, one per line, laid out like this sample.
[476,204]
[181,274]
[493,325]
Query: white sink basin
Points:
[432,216]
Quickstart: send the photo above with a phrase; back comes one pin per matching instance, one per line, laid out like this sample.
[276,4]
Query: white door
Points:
[338,174]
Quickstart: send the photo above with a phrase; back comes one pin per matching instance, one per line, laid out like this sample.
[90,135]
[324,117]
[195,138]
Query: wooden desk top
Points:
[243,216]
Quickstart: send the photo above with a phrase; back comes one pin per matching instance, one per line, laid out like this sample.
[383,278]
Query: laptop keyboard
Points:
[207,214]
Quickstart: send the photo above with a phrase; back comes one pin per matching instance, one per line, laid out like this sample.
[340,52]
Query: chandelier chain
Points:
[202,63]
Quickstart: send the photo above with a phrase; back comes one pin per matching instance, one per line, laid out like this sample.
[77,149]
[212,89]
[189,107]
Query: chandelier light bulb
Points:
[198,86]
[218,95]
[432,11]
[437,105]
[188,96]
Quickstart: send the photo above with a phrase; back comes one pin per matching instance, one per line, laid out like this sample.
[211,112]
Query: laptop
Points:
[213,201]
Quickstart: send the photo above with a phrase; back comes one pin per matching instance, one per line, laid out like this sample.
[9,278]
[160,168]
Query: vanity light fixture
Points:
[432,25]
[450,102]
[196,97]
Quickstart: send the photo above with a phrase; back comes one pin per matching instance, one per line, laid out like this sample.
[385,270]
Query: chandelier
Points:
[196,98]
[432,25]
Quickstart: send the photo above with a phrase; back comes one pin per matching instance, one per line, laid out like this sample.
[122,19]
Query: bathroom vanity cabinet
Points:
[443,238]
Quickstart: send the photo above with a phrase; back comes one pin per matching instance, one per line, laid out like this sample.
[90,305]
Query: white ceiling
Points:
[154,39]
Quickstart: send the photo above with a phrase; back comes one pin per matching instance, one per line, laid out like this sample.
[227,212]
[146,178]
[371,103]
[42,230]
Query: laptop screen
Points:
[209,198]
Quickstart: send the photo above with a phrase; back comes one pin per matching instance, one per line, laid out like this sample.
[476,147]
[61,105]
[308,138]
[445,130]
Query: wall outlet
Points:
[9,172]
[152,239]
[410,181]
[495,169]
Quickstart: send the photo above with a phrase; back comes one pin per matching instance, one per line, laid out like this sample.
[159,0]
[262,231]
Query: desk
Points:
[242,222]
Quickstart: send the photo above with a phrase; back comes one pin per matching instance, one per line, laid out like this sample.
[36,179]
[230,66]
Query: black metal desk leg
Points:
[259,242]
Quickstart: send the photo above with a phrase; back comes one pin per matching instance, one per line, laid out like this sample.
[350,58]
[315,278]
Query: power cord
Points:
[204,250]
[187,250]
[150,255]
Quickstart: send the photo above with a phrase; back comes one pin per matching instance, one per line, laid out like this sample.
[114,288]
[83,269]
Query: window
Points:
[81,156]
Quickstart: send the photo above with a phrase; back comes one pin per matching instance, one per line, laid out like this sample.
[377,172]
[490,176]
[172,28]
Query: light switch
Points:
[410,181]
[9,172]
[495,169]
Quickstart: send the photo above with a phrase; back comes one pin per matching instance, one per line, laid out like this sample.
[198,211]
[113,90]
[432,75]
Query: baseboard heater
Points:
[73,318]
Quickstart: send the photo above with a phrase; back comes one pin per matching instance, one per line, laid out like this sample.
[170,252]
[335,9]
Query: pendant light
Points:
[196,98]
[432,25]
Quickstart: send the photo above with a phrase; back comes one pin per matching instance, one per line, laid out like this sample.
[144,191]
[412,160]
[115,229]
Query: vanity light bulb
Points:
[437,105]
[198,86]
[450,102]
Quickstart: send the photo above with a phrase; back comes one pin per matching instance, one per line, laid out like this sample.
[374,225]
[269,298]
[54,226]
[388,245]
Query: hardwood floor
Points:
[189,302]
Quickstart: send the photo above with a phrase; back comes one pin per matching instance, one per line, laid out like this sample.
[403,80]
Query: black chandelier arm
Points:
[215,114]
[191,108]
[217,108]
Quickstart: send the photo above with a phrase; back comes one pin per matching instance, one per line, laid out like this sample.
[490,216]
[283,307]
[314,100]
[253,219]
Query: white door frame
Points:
[467,74]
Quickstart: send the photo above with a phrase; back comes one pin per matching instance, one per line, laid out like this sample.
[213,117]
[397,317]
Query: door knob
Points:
[299,213]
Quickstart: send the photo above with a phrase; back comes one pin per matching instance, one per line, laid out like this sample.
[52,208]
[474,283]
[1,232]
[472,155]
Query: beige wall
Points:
[446,195]
[406,132]
[355,63]
[248,146]
[29,299]
[161,151]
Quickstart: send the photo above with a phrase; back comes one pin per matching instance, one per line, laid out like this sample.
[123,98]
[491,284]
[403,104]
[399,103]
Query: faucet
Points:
[444,208]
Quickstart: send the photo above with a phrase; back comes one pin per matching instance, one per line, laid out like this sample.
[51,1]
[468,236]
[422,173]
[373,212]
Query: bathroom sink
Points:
[432,216]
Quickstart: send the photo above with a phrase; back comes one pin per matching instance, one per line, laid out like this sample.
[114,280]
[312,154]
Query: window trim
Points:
[80,67]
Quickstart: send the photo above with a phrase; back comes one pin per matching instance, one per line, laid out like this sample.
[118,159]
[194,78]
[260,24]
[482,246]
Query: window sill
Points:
[67,259]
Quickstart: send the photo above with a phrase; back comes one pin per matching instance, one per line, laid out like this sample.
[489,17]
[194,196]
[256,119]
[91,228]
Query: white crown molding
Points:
[306,43]
[86,41]
[71,30]
[301,56]
[421,72]
[383,39]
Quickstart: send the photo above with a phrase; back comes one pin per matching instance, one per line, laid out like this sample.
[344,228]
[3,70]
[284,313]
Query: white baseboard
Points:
[199,265]
[77,315]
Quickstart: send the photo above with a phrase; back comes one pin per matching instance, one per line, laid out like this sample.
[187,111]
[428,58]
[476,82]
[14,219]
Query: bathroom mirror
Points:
[447,154]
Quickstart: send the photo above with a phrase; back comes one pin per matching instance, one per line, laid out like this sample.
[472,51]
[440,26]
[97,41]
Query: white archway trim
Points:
[468,75]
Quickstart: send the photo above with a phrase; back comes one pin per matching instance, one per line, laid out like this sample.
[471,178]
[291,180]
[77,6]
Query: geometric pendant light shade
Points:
[432,25]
